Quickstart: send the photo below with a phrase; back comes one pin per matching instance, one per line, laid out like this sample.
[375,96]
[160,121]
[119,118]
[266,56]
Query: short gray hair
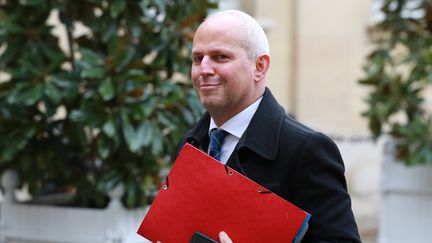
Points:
[256,42]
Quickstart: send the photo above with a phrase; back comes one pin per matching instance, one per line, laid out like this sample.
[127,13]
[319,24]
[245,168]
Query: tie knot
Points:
[217,137]
[218,134]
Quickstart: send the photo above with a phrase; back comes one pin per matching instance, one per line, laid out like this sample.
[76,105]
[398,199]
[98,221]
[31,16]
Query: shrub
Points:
[106,108]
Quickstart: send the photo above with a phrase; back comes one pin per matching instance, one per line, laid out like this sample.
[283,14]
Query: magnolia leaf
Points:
[52,52]
[116,7]
[91,57]
[110,31]
[131,193]
[113,46]
[27,96]
[103,147]
[187,115]
[157,142]
[53,93]
[109,128]
[96,73]
[10,53]
[124,58]
[168,122]
[138,138]
[77,115]
[129,134]
[106,89]
[144,133]
[17,142]
[109,180]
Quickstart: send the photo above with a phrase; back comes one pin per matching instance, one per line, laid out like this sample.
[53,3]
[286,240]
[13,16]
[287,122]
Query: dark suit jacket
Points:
[295,162]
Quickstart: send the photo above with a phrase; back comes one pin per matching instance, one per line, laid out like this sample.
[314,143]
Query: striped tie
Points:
[216,139]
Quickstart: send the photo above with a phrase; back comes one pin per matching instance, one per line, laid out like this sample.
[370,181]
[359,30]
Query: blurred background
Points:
[95,94]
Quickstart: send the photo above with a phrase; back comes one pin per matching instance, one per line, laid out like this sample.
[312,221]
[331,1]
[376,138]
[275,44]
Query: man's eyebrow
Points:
[212,51]
[220,50]
[196,52]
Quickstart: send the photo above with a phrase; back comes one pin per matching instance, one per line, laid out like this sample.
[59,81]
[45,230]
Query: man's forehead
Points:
[217,43]
[210,48]
[223,23]
[215,32]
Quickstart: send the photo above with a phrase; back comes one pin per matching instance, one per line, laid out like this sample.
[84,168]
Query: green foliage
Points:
[110,107]
[399,75]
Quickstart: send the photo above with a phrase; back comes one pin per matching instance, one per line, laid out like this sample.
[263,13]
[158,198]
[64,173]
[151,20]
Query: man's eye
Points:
[197,59]
[221,57]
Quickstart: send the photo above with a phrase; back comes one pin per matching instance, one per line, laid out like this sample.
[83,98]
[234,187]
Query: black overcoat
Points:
[303,166]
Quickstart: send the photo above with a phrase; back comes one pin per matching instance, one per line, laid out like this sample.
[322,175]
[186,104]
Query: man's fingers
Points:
[223,237]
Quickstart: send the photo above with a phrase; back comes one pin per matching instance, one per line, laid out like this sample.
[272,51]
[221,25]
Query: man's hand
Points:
[223,238]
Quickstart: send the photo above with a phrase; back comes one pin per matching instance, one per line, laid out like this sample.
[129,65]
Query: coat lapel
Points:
[261,137]
[263,133]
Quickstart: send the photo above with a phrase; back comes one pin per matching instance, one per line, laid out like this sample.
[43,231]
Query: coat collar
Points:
[263,133]
[261,136]
[198,136]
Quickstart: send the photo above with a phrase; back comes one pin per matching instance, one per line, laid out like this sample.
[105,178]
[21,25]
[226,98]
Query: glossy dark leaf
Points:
[109,128]
[117,6]
[124,58]
[91,57]
[187,115]
[110,31]
[129,134]
[53,93]
[18,141]
[77,116]
[157,142]
[106,89]
[166,120]
[11,52]
[103,147]
[28,95]
[95,73]
[109,181]
[144,133]
[131,193]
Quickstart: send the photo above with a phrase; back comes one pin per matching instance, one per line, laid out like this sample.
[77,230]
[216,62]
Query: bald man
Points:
[231,57]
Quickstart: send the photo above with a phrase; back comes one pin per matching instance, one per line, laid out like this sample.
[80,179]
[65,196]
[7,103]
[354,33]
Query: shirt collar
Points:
[237,125]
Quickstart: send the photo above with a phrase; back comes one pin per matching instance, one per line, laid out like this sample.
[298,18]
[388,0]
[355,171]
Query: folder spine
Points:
[299,235]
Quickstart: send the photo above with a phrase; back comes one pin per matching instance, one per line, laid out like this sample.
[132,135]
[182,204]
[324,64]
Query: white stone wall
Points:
[318,49]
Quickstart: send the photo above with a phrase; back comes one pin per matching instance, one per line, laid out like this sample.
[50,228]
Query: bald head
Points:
[253,37]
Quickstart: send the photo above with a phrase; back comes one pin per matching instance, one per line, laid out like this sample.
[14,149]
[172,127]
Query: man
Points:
[230,60]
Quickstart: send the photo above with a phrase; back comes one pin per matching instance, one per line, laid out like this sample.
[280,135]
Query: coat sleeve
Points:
[322,191]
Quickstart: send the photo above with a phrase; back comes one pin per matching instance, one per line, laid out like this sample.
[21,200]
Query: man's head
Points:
[253,36]
[230,59]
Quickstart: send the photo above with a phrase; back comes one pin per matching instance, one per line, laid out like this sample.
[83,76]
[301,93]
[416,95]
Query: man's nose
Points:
[207,66]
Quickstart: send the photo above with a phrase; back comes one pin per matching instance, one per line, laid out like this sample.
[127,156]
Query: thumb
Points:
[223,237]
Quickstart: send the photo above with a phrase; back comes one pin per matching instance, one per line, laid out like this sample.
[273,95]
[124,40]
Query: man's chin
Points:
[211,104]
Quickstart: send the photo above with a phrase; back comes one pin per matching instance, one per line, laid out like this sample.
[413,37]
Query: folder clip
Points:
[166,184]
[228,171]
[262,190]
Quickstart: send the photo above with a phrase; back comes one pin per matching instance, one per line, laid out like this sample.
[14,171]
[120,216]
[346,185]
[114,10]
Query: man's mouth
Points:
[210,85]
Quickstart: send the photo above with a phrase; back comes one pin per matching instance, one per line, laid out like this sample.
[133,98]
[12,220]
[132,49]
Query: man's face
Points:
[222,73]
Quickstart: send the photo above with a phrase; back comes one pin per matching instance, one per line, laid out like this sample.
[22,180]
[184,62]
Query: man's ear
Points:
[262,64]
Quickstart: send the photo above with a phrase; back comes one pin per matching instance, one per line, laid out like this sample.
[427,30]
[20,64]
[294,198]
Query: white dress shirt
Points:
[235,127]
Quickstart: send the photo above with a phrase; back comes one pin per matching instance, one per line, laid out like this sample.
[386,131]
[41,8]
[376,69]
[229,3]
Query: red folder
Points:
[201,194]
